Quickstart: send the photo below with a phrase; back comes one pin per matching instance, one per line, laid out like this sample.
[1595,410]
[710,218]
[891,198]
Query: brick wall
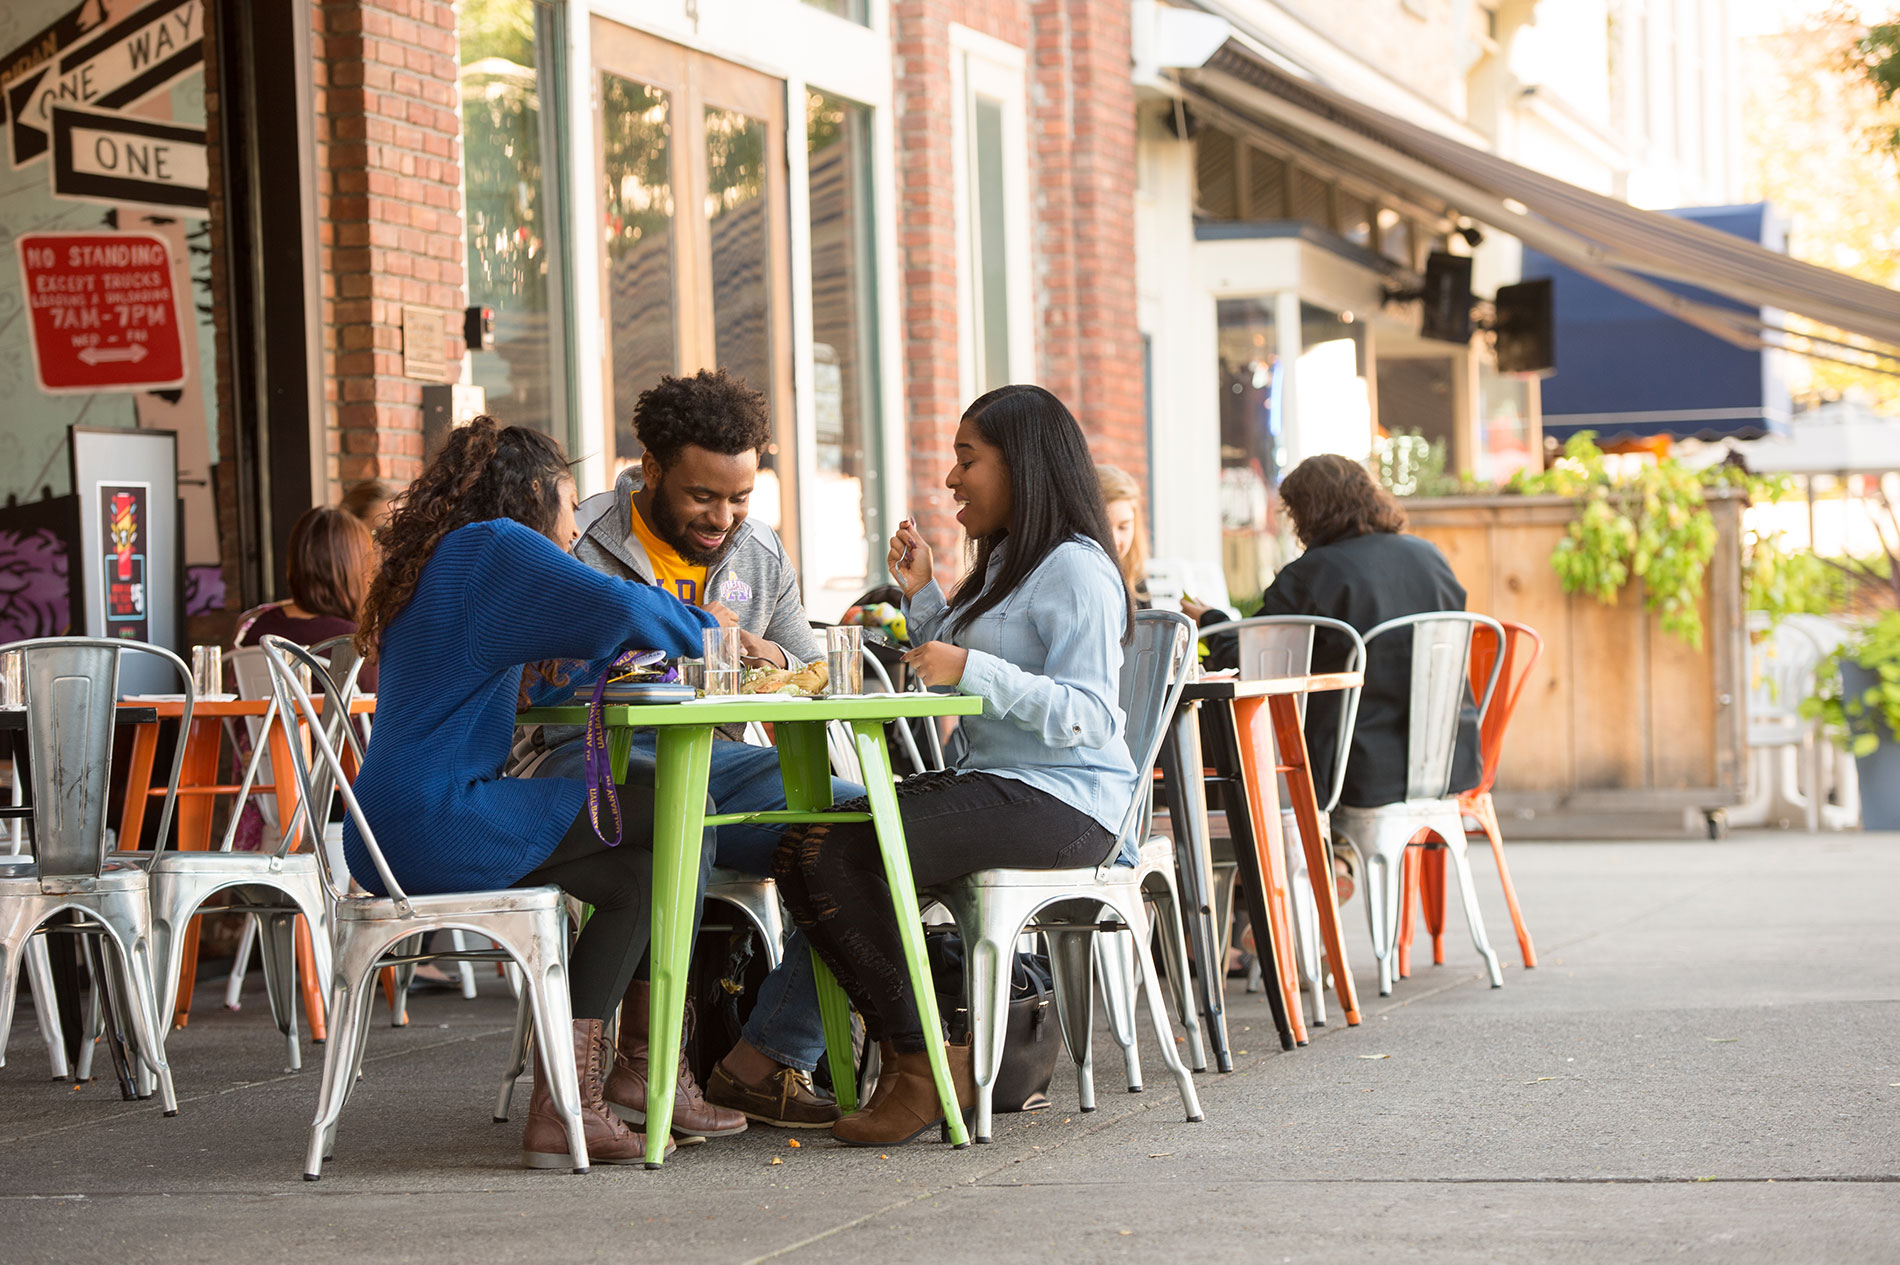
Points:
[1081,123]
[389,155]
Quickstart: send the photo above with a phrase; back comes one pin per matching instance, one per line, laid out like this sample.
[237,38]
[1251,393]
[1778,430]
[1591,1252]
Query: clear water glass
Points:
[721,652]
[844,659]
[13,680]
[207,670]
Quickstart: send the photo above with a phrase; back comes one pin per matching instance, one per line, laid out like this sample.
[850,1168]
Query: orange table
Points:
[198,787]
[1244,747]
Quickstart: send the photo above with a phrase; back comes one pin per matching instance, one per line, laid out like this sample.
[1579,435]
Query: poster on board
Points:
[123,585]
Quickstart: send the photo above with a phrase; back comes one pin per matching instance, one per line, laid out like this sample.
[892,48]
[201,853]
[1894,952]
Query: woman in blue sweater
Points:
[1040,780]
[475,584]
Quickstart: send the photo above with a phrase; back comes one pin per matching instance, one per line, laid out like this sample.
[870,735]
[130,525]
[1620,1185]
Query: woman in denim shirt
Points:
[1040,780]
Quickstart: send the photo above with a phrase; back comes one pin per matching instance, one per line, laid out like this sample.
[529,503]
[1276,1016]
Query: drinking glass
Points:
[13,680]
[207,670]
[721,647]
[844,658]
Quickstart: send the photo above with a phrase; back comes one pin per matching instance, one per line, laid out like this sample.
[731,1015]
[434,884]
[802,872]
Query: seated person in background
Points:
[329,568]
[1122,495]
[682,522]
[1361,567]
[370,501]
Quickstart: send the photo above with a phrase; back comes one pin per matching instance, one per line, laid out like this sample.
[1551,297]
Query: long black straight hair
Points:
[1054,497]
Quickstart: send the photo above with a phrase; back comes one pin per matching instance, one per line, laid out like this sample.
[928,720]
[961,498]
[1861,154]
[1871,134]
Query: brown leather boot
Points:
[904,1105]
[694,1119]
[544,1142]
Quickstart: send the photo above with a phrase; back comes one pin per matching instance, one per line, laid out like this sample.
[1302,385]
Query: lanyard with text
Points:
[600,773]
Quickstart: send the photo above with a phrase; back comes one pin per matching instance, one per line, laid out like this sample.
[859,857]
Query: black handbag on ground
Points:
[1032,1036]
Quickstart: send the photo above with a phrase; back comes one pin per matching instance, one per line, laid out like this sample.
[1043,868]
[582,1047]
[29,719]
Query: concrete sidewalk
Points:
[1706,1066]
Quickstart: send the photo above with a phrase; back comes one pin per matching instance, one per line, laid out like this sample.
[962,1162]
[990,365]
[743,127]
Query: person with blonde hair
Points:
[1129,526]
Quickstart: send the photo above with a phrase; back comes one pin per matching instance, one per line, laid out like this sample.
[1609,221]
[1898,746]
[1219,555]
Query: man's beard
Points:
[674,532]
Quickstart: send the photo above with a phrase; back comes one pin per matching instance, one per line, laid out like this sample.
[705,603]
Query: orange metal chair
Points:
[1424,874]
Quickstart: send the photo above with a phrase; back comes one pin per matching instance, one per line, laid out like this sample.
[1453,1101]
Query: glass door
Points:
[695,265]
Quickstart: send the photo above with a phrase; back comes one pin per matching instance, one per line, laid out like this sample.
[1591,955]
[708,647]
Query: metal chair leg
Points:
[1071,963]
[1115,969]
[39,974]
[520,1051]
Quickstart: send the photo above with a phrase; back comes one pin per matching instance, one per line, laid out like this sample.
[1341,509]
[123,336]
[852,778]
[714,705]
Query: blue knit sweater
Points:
[493,596]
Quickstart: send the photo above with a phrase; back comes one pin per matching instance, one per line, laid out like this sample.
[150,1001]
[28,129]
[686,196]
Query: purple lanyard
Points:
[600,774]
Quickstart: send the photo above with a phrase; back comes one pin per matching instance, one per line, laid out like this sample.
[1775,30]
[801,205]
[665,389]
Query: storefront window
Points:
[850,10]
[1252,440]
[845,522]
[1506,418]
[637,123]
[510,214]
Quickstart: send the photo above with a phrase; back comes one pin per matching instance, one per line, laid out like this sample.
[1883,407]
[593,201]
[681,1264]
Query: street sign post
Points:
[103,313]
[118,66]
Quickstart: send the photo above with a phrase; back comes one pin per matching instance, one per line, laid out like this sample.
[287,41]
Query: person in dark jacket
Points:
[1361,567]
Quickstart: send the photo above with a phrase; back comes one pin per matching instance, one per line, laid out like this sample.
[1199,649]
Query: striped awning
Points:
[1646,255]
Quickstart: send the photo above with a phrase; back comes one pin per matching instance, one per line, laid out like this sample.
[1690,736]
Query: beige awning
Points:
[1624,247]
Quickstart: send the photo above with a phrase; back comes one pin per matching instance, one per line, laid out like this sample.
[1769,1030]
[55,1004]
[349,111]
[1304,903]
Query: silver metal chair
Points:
[993,908]
[527,924]
[273,888]
[1279,646]
[72,688]
[1440,643]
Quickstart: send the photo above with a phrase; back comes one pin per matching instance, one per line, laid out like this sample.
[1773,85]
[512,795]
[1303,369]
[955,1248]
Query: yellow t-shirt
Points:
[673,573]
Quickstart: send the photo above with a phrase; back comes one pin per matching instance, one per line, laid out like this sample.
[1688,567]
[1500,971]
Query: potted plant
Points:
[1857,701]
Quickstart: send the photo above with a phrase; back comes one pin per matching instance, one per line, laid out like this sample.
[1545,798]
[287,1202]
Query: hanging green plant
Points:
[1652,526]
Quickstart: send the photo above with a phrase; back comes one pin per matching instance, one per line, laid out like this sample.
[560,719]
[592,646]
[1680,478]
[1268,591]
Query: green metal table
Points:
[684,733]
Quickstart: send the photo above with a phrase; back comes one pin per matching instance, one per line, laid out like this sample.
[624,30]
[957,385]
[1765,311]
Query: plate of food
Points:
[756,683]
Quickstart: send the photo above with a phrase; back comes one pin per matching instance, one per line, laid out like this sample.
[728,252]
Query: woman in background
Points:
[329,568]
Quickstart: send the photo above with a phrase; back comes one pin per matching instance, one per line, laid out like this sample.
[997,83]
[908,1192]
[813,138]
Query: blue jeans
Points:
[784,1024]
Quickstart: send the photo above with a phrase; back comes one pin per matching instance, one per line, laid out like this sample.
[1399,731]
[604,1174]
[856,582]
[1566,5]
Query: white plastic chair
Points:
[527,924]
[993,908]
[1440,644]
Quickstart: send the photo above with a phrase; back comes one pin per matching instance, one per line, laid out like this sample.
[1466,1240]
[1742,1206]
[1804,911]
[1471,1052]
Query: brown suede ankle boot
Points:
[544,1143]
[904,1105]
[694,1119]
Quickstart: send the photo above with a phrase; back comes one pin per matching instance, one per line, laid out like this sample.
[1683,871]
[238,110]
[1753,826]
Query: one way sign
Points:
[116,67]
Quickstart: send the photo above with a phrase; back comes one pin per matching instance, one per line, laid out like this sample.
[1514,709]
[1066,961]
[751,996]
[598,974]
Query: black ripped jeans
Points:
[832,876]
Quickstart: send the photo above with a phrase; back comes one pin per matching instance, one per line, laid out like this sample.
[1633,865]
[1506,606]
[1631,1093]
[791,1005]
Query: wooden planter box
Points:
[1622,729]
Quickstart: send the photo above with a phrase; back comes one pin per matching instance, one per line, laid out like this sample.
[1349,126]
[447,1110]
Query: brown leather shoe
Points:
[904,1106]
[694,1119]
[544,1142]
[785,1099]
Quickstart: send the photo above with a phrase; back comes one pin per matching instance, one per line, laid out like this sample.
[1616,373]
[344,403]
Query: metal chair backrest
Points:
[1521,649]
[1154,672]
[1282,645]
[72,697]
[1441,654]
[318,784]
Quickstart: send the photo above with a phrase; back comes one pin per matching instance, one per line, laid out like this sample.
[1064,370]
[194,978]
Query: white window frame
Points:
[981,65]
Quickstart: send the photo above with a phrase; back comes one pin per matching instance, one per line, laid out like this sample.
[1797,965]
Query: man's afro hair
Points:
[712,409]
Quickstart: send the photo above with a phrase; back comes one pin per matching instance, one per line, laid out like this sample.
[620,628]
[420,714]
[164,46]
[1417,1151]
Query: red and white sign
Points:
[103,314]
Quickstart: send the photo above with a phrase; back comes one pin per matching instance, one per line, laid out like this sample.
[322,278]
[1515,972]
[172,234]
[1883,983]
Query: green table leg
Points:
[679,811]
[805,765]
[875,759]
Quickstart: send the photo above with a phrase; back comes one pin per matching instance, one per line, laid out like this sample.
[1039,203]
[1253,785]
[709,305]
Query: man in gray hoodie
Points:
[680,520]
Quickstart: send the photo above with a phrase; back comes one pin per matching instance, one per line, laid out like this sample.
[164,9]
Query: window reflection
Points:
[1252,445]
[739,228]
[507,214]
[638,231]
[844,391]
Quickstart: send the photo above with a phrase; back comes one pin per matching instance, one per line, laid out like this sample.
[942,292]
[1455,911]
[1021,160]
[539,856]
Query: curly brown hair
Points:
[484,471]
[1330,497]
[330,561]
[712,410]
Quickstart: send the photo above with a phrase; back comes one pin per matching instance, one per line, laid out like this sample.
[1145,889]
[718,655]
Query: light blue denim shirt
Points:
[1046,661]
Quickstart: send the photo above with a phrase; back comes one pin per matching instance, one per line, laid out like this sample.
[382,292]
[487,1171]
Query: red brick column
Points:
[1082,136]
[1081,121]
[389,154]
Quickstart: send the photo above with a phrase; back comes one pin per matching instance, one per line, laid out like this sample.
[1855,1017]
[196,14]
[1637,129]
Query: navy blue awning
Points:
[1628,371]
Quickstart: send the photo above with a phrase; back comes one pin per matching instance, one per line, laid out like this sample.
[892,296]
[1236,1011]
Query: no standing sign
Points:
[104,316]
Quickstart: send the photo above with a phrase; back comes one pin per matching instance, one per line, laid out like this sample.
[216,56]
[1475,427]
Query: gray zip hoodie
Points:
[752,577]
